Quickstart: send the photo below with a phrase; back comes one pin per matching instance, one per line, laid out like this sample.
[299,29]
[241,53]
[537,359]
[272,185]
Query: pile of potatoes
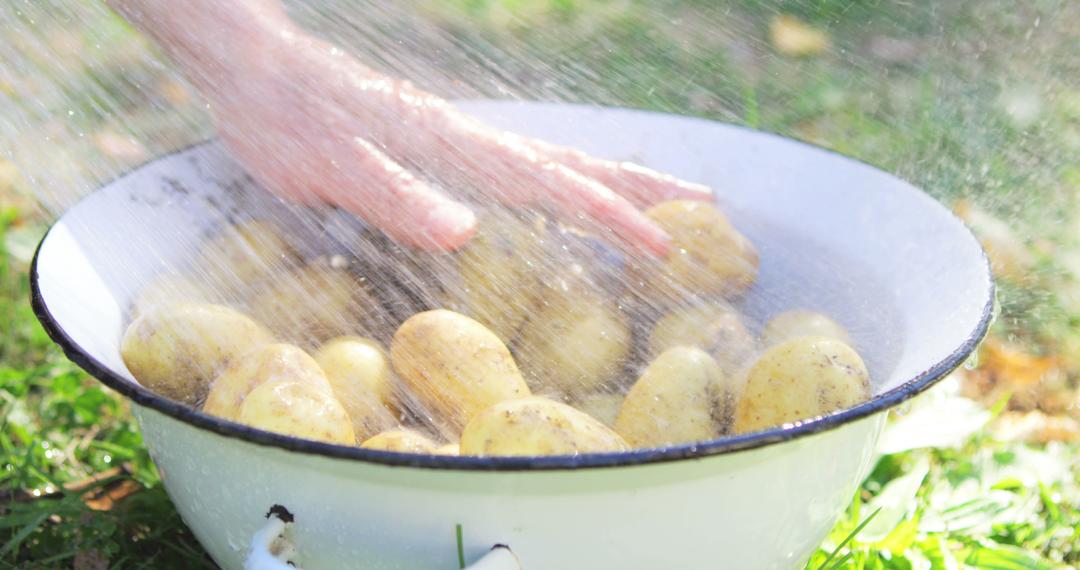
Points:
[531,340]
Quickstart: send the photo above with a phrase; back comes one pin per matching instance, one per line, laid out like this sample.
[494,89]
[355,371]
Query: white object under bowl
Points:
[895,267]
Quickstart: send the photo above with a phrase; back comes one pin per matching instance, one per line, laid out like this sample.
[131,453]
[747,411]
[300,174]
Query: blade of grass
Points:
[849,538]
[14,542]
[460,547]
[840,563]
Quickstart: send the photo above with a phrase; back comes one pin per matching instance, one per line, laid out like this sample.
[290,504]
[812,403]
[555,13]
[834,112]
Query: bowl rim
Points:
[698,450]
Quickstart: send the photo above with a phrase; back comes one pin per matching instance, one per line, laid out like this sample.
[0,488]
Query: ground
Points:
[974,101]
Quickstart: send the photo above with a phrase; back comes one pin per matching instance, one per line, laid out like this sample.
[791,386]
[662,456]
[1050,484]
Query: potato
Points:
[573,344]
[708,255]
[448,449]
[242,254]
[603,406]
[682,397]
[454,365]
[269,363]
[359,373]
[312,304]
[402,441]
[171,289]
[537,426]
[177,350]
[498,273]
[792,324]
[800,379]
[299,409]
[715,328]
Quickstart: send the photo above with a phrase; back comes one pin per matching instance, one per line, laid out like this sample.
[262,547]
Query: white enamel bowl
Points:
[895,267]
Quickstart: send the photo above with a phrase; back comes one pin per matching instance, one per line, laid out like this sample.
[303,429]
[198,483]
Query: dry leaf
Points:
[174,92]
[1014,365]
[791,36]
[120,147]
[9,174]
[1033,381]
[1035,427]
[1009,255]
[105,498]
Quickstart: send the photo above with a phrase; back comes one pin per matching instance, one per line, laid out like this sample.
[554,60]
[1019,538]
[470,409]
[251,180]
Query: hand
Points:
[314,124]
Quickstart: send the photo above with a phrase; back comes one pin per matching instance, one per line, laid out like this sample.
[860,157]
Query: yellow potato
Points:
[537,426]
[177,350]
[800,379]
[172,289]
[498,273]
[268,363]
[244,253]
[708,255]
[359,373]
[573,344]
[715,328]
[792,324]
[402,441]
[448,449]
[299,409]
[312,304]
[603,406]
[454,365]
[682,397]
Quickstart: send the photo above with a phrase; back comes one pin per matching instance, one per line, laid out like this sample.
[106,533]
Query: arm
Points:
[314,124]
[208,38]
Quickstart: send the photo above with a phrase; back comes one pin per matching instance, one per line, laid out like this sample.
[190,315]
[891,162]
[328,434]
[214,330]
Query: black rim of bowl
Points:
[730,444]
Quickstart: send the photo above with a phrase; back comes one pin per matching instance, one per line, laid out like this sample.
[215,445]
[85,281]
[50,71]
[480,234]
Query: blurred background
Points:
[977,102]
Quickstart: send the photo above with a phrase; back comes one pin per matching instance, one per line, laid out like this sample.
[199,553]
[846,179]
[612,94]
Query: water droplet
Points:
[972,361]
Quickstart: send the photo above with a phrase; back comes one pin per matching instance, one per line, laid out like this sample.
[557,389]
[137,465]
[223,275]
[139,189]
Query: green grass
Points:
[941,119]
[68,444]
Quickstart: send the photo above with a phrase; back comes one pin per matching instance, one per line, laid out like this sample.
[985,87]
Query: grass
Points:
[971,102]
[77,487]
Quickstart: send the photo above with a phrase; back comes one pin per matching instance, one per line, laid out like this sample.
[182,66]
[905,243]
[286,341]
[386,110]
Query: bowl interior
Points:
[891,264]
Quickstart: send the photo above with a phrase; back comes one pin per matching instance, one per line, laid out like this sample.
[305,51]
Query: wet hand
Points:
[312,123]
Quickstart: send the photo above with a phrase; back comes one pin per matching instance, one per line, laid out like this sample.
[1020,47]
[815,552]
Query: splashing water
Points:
[965,102]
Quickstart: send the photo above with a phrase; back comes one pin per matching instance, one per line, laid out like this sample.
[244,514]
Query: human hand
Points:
[314,124]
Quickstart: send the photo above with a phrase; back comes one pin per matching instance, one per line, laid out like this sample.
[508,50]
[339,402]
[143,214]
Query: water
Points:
[964,101]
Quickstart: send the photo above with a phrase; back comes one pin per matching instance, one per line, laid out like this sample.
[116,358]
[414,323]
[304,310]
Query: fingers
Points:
[584,199]
[642,186]
[518,174]
[406,208]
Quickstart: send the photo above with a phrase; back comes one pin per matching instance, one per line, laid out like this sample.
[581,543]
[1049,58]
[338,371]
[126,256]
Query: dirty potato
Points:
[793,324]
[537,426]
[402,441]
[448,449]
[603,406]
[299,409]
[359,373]
[454,365]
[682,397]
[497,272]
[708,255]
[573,344]
[799,379]
[172,289]
[177,350]
[715,328]
[312,304]
[269,363]
[242,254]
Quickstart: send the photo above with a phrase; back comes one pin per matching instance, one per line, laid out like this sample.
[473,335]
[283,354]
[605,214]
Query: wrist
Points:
[212,41]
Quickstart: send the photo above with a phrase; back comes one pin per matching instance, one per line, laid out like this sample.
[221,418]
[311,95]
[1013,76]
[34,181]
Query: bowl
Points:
[896,268]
